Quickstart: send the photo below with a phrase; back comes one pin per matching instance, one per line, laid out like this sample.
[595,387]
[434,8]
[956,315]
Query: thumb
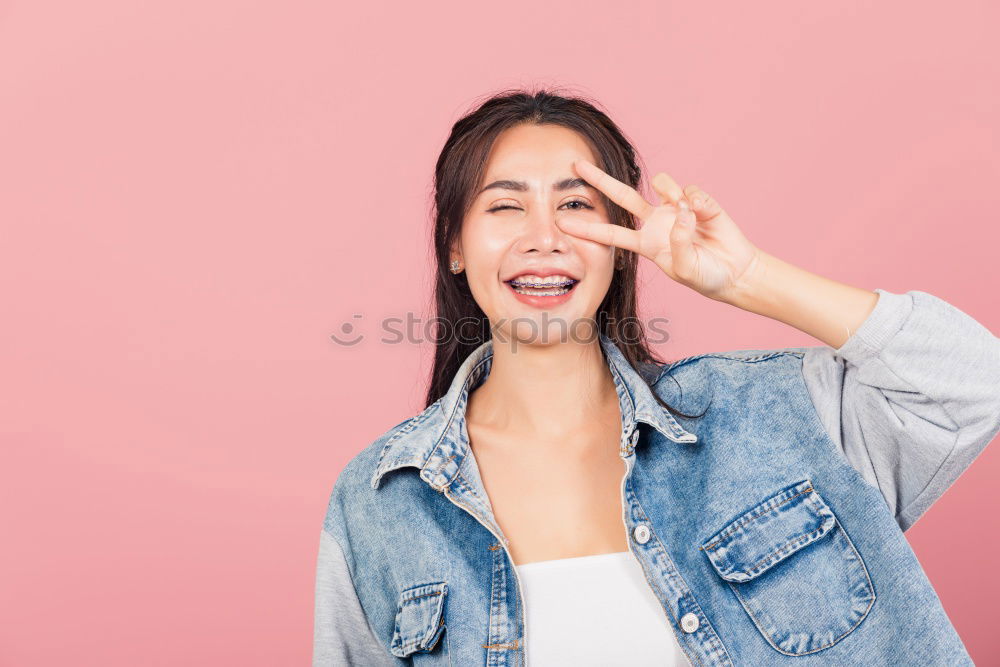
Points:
[704,206]
[682,255]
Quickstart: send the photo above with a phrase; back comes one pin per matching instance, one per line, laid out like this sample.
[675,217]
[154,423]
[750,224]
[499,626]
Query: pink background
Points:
[195,195]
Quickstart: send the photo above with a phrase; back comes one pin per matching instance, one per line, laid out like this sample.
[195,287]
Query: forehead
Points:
[542,152]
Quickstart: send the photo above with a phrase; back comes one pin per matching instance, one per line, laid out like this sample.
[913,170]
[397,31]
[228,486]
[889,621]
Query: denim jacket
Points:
[770,528]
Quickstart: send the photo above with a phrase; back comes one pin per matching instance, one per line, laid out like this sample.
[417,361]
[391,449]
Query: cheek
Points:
[599,260]
[484,244]
[597,257]
[483,250]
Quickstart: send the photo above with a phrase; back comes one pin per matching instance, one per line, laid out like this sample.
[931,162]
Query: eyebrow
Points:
[521,186]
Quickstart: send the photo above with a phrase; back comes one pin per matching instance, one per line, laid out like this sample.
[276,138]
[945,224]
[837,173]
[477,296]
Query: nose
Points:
[541,234]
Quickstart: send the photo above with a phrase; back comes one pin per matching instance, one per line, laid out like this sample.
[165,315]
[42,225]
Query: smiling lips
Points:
[542,286]
[542,291]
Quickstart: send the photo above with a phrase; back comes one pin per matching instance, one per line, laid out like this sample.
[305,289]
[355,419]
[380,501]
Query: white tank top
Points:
[595,610]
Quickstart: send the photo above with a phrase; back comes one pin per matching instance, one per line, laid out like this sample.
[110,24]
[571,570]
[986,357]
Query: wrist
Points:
[819,306]
[754,289]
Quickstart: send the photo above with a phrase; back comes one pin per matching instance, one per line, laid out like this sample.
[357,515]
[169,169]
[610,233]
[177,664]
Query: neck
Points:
[545,391]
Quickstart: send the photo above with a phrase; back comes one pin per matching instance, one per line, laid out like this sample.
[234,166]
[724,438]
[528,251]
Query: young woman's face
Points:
[510,232]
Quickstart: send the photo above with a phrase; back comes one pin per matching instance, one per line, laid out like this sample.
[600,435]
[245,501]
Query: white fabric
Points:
[595,610]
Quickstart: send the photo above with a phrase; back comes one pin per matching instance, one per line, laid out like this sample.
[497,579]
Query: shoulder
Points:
[352,486]
[734,362]
[691,384]
[358,471]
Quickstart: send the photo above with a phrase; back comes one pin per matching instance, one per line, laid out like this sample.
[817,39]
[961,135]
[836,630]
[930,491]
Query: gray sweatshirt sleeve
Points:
[911,398]
[342,635]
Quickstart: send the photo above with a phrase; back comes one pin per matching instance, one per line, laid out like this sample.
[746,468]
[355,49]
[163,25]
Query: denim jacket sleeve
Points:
[341,632]
[911,398]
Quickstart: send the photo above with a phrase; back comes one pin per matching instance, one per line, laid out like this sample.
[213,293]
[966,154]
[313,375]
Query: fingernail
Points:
[684,205]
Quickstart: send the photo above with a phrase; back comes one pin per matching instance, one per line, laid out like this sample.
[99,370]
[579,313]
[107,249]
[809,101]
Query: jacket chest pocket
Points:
[794,570]
[420,621]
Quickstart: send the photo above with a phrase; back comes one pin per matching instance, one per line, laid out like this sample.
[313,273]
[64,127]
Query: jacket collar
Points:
[436,440]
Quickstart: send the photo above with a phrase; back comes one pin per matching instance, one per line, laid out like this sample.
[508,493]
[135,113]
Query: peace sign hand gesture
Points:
[687,235]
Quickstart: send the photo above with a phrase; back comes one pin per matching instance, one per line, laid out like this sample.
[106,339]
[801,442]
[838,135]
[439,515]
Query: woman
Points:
[764,492]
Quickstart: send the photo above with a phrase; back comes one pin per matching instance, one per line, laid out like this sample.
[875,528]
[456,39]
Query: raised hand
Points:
[688,235]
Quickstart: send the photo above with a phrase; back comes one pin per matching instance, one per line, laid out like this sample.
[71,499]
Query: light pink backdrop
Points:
[195,195]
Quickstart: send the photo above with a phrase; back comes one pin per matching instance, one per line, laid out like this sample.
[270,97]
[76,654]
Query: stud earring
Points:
[455,266]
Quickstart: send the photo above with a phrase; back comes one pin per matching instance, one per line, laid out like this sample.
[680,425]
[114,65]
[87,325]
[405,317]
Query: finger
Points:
[667,188]
[618,192]
[601,232]
[702,203]
[682,255]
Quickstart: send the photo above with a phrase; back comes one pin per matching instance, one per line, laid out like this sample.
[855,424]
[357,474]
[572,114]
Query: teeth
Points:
[538,281]
[537,292]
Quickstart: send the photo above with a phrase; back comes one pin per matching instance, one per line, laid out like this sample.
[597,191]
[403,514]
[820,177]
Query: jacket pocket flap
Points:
[769,533]
[419,618]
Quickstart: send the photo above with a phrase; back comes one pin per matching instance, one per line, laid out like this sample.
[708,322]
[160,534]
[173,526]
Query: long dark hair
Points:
[457,173]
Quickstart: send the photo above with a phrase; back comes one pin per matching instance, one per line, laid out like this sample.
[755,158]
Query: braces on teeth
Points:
[564,283]
[542,289]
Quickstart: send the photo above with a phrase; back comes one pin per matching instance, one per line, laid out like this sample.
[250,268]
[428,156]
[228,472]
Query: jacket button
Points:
[689,622]
[641,533]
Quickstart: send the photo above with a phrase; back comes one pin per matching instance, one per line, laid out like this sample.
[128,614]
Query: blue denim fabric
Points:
[760,526]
